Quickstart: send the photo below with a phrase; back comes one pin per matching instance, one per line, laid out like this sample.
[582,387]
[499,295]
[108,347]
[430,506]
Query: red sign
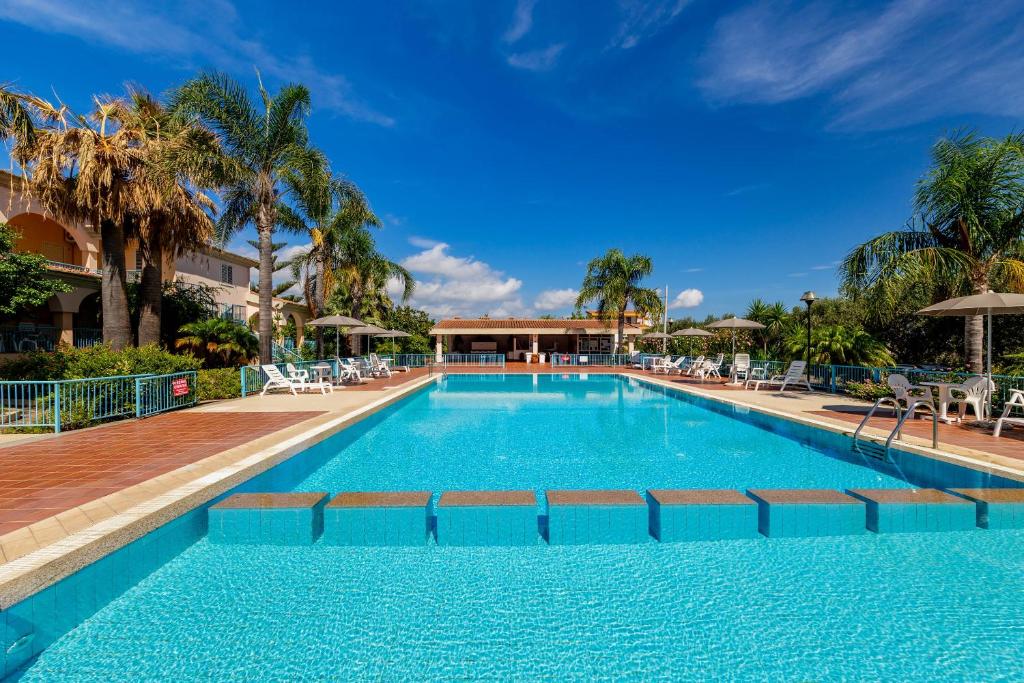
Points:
[179,387]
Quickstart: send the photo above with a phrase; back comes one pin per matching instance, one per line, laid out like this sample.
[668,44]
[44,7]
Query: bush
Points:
[219,384]
[96,361]
[868,390]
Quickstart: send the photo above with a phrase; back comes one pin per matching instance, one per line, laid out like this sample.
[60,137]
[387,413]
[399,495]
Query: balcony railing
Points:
[72,267]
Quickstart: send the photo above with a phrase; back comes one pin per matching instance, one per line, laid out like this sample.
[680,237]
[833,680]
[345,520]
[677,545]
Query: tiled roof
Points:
[522,324]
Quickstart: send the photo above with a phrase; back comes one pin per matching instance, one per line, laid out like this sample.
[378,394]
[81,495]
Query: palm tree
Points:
[838,345]
[181,157]
[86,168]
[219,342]
[967,235]
[614,281]
[264,144]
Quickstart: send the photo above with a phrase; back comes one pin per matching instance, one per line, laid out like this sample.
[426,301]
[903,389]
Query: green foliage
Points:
[218,342]
[181,304]
[615,281]
[24,280]
[868,390]
[96,361]
[414,321]
[839,345]
[219,383]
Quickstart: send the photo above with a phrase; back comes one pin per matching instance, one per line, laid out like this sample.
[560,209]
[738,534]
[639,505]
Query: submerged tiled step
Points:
[271,518]
[700,514]
[487,518]
[911,510]
[608,516]
[996,508]
[378,518]
[808,512]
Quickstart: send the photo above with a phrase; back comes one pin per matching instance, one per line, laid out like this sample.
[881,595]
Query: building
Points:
[632,318]
[73,252]
[515,337]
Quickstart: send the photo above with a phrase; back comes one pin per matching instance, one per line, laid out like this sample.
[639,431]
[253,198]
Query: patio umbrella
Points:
[658,335]
[367,330]
[987,304]
[734,324]
[692,332]
[335,321]
[393,334]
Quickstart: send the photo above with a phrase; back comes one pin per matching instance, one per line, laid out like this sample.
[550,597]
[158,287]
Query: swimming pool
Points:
[938,606]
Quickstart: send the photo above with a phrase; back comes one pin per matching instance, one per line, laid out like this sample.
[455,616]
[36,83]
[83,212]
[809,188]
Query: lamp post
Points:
[809,298]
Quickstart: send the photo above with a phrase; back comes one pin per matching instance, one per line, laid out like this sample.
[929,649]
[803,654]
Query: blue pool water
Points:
[936,606]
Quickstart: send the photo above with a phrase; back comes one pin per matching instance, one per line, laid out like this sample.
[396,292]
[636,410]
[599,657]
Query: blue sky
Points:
[745,146]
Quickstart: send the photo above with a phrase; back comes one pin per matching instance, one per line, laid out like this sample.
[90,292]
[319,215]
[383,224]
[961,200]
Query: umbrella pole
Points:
[988,392]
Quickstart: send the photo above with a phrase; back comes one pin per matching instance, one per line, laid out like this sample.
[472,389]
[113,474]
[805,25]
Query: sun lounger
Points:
[1016,401]
[277,380]
[794,376]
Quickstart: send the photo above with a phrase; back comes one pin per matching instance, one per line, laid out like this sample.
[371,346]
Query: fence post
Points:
[832,368]
[195,387]
[242,370]
[56,407]
[138,397]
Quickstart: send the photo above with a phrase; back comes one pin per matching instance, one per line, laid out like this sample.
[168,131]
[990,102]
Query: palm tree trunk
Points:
[117,329]
[319,296]
[151,288]
[622,331]
[265,226]
[974,331]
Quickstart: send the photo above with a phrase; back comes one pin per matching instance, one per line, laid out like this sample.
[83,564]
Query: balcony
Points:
[71,268]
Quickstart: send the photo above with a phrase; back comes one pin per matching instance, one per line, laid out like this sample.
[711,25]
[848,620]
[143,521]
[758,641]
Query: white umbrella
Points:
[734,324]
[368,330]
[393,334]
[335,321]
[692,332]
[987,304]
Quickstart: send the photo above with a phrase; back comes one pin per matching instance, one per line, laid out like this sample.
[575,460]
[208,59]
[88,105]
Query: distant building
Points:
[73,252]
[632,318]
[515,337]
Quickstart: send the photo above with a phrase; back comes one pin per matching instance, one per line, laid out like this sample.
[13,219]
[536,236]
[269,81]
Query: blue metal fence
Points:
[75,403]
[585,359]
[253,377]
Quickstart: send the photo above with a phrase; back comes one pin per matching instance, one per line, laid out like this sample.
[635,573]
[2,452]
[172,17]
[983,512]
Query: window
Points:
[227,274]
[138,259]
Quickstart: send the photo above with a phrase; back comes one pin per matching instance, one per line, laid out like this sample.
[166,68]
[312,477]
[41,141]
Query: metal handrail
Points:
[896,412]
[910,411]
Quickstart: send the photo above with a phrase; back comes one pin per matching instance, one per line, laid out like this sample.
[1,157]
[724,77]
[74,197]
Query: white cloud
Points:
[643,19]
[688,298]
[693,270]
[543,59]
[556,299]
[189,34]
[522,21]
[458,285]
[423,242]
[914,60]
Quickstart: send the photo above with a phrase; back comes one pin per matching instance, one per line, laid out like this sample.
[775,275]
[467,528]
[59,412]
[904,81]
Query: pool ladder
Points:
[882,453]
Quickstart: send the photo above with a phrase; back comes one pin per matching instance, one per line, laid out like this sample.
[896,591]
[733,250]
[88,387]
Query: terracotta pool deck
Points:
[55,488]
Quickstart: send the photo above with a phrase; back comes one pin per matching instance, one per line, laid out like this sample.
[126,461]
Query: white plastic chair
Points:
[741,366]
[1016,401]
[904,392]
[695,365]
[296,374]
[974,393]
[668,367]
[379,367]
[794,375]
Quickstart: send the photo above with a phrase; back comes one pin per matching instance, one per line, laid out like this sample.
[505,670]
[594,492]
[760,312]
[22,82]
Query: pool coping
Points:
[31,573]
[967,457]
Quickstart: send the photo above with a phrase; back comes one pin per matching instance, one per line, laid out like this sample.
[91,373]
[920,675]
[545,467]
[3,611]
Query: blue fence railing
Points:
[584,359]
[475,359]
[254,378]
[76,403]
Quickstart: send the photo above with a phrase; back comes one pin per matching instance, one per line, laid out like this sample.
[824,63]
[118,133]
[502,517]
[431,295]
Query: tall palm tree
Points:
[86,168]
[264,143]
[614,281]
[181,158]
[967,236]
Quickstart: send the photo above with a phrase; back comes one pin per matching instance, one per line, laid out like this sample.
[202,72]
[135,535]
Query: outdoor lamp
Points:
[809,298]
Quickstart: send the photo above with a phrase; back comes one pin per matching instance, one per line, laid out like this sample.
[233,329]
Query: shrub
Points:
[868,390]
[219,383]
[68,362]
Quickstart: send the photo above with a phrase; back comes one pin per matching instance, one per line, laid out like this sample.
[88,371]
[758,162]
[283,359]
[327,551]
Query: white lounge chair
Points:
[974,393]
[348,371]
[711,368]
[906,393]
[668,367]
[694,365]
[794,375]
[277,380]
[1016,401]
[379,367]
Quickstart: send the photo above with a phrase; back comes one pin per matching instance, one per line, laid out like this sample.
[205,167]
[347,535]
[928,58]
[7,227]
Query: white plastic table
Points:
[323,371]
[945,397]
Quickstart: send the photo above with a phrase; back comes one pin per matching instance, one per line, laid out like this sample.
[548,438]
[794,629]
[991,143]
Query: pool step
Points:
[268,518]
[700,514]
[915,510]
[487,518]
[996,508]
[807,512]
[594,517]
[378,518]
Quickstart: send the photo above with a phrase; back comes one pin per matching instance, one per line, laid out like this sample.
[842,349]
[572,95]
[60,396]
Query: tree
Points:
[24,280]
[614,281]
[219,342]
[966,236]
[180,157]
[838,345]
[264,144]
[85,169]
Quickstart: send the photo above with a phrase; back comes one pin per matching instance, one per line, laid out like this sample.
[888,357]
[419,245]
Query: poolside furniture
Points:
[585,517]
[808,512]
[740,366]
[700,514]
[268,518]
[996,508]
[347,371]
[296,374]
[378,366]
[378,518]
[794,376]
[694,365]
[276,380]
[945,397]
[487,518]
[324,372]
[972,393]
[711,367]
[904,391]
[1016,401]
[914,510]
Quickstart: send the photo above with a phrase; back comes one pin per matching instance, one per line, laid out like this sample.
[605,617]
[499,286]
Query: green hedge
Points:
[96,361]
[219,384]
